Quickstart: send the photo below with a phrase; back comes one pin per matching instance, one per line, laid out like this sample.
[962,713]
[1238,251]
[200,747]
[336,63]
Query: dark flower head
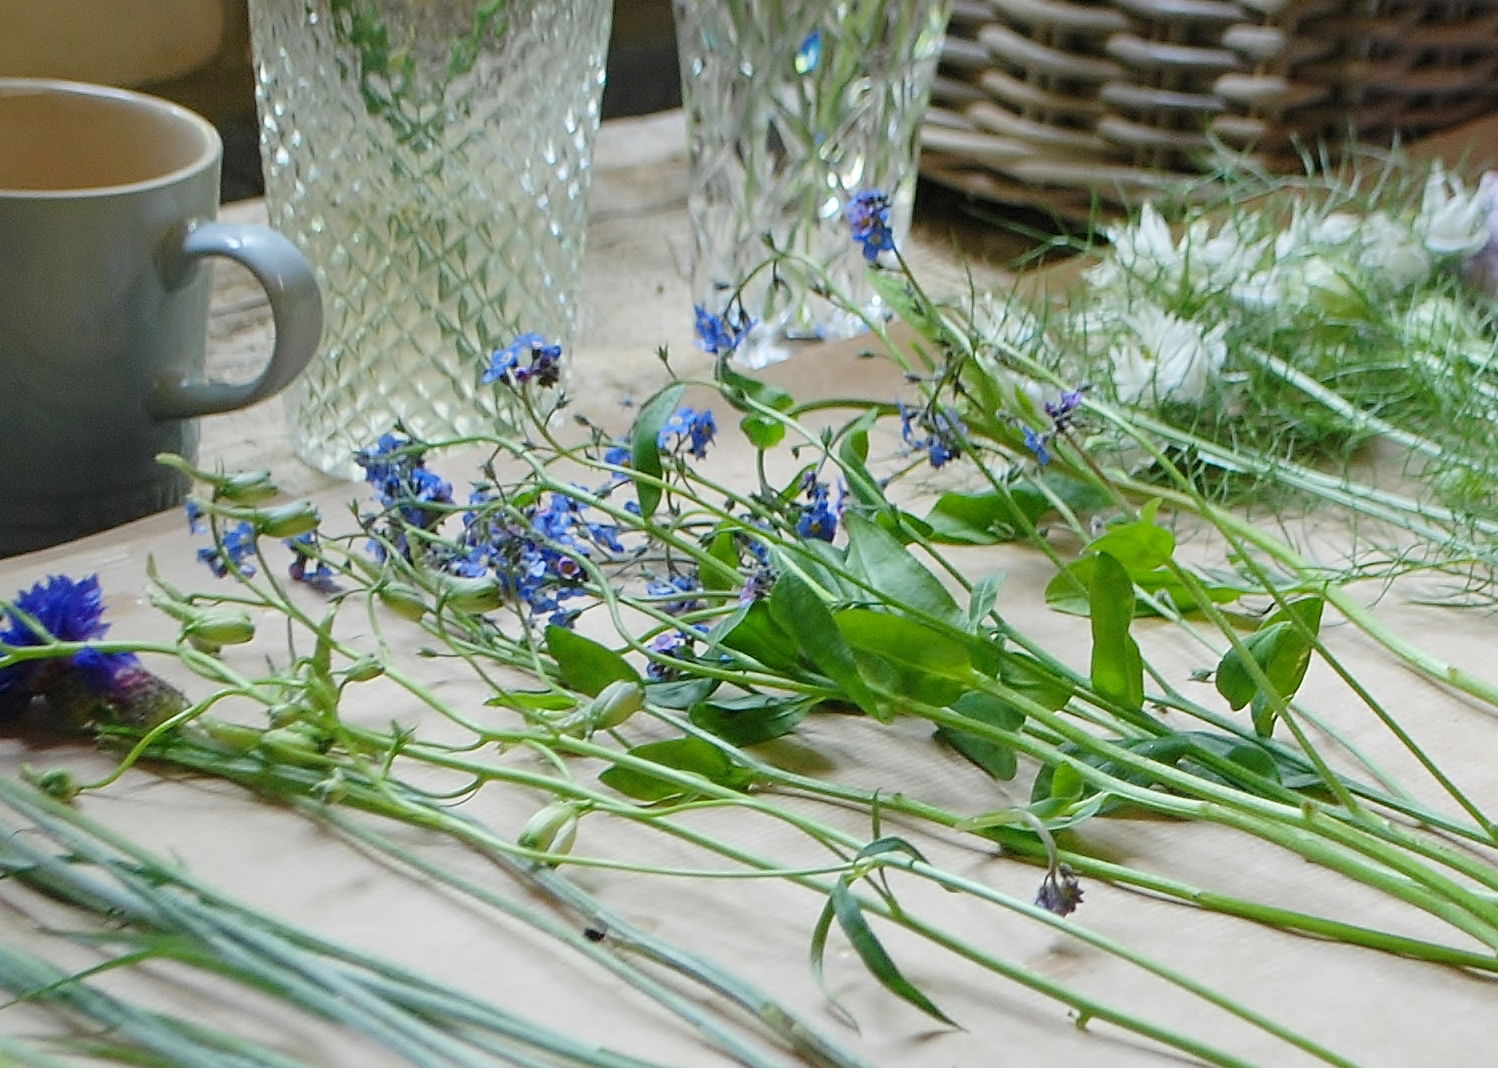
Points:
[1059,891]
[758,583]
[868,221]
[721,334]
[303,556]
[676,644]
[942,437]
[529,358]
[1062,411]
[66,610]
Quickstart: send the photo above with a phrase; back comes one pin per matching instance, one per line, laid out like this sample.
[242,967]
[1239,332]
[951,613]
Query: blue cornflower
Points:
[67,610]
[537,556]
[303,552]
[236,546]
[721,334]
[819,516]
[194,517]
[690,429]
[384,459]
[682,588]
[1039,444]
[529,358]
[401,482]
[942,441]
[868,221]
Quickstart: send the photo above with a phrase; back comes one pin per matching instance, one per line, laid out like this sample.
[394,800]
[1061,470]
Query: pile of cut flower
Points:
[640,628]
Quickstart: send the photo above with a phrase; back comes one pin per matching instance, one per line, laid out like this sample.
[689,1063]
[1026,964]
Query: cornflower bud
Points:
[245,487]
[614,704]
[364,669]
[405,601]
[553,829]
[213,628]
[298,745]
[287,520]
[482,594]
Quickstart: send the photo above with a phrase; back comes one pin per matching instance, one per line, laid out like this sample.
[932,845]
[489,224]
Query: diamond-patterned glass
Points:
[792,109]
[432,159]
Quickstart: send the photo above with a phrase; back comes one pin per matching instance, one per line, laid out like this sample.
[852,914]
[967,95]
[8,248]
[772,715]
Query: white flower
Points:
[1394,254]
[1160,357]
[1145,251]
[1451,221]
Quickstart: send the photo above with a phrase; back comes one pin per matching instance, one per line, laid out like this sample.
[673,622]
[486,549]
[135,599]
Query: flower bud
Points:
[245,487]
[214,627]
[553,829]
[364,669]
[295,745]
[615,703]
[404,601]
[234,737]
[470,594]
[287,520]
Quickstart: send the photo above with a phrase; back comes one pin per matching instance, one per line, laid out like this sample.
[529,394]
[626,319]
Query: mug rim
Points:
[212,143]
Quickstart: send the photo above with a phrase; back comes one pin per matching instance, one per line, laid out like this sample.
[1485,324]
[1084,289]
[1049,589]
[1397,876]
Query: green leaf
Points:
[972,519]
[680,754]
[1282,649]
[1141,545]
[752,631]
[1117,666]
[983,598]
[852,454]
[1028,676]
[899,655]
[584,664]
[889,567]
[996,758]
[800,612]
[819,935]
[1008,513]
[1067,590]
[744,393]
[902,298]
[752,718]
[866,944]
[645,444]
[680,693]
[723,574]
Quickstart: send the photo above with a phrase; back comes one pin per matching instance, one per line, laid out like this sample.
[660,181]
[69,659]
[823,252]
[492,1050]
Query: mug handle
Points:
[296,309]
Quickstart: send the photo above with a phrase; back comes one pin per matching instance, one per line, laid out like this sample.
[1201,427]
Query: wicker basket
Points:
[1065,104]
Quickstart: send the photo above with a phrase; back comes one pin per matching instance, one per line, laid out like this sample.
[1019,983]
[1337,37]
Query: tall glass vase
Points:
[793,107]
[432,159]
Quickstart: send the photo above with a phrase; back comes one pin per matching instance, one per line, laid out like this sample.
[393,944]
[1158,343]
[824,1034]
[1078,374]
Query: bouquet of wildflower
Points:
[644,621]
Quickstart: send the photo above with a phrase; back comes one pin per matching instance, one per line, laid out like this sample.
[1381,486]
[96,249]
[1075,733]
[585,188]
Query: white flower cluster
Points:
[1158,306]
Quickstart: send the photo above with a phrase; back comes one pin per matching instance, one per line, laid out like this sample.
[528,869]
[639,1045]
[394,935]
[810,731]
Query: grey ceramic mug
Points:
[107,202]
